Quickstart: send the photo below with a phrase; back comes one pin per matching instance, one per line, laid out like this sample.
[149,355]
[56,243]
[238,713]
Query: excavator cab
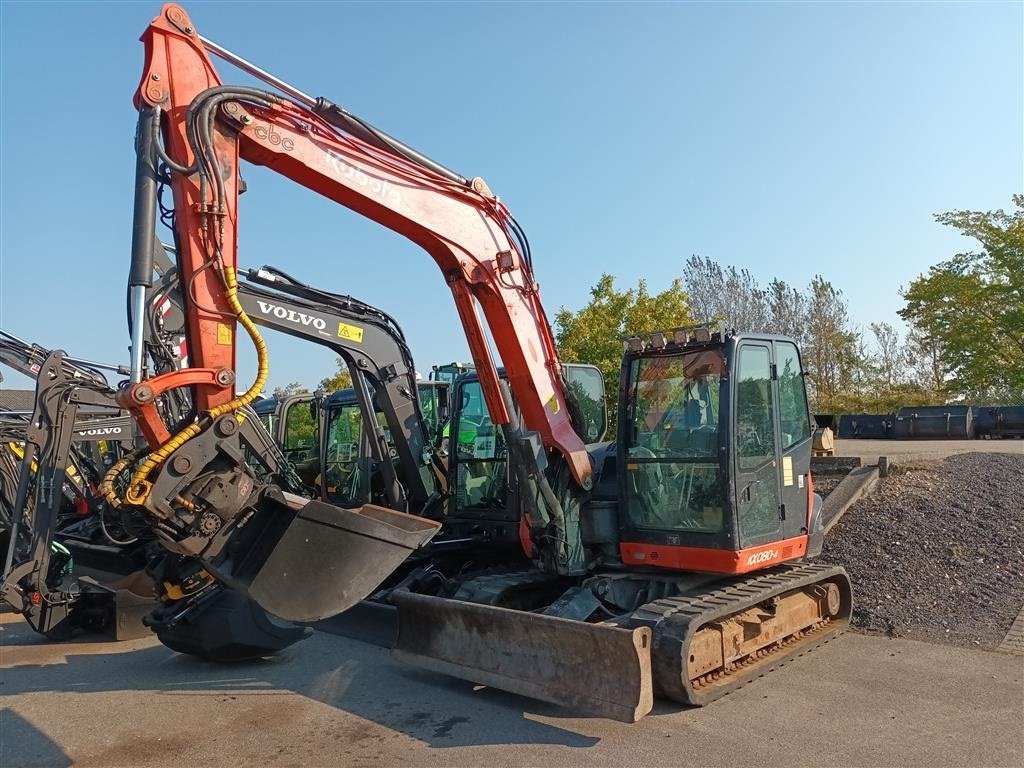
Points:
[715,446]
[348,466]
[485,495]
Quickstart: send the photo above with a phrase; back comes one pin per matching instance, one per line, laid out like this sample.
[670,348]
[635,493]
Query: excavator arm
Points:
[374,349]
[464,227]
[193,484]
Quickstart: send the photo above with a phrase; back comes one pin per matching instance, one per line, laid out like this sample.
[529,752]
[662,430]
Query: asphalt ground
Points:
[335,701]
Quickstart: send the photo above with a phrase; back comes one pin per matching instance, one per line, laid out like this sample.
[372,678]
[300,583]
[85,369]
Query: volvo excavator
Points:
[674,560]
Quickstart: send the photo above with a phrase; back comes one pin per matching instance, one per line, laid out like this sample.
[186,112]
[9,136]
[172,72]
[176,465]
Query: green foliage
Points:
[973,306]
[290,389]
[342,379]
[594,333]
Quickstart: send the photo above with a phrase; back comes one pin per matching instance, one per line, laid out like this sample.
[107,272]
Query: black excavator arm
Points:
[373,347]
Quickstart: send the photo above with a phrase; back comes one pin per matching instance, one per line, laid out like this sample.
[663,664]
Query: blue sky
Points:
[790,139]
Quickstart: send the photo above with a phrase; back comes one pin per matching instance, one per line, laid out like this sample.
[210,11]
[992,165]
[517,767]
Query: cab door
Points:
[794,437]
[755,446]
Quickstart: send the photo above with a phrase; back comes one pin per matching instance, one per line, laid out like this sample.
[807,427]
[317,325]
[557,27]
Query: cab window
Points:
[300,432]
[673,478]
[482,457]
[347,481]
[794,415]
[755,431]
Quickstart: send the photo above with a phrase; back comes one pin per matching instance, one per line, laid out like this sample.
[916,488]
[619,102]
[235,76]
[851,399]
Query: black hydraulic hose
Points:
[341,118]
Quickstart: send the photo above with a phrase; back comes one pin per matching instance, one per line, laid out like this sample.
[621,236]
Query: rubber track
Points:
[674,621]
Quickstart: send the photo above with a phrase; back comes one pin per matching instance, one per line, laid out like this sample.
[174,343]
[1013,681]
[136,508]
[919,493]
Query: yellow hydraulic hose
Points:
[139,487]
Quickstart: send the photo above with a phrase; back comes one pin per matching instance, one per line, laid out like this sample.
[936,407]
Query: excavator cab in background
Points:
[484,493]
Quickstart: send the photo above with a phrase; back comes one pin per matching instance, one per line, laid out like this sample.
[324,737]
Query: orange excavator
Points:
[675,559]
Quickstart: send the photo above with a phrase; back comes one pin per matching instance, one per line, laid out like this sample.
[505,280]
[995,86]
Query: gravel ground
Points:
[825,484]
[937,551]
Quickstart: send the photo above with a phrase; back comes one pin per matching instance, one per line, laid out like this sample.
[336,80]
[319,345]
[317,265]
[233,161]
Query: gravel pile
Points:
[937,551]
[825,484]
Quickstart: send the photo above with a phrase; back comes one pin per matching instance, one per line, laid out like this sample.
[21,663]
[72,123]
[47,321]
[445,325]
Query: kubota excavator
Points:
[682,570]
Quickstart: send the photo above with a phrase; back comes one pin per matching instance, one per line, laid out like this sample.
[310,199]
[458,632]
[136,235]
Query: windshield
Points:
[674,402]
[346,479]
[672,470]
[481,459]
[430,409]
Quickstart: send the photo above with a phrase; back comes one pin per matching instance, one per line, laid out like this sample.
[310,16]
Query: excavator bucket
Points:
[229,627]
[596,669]
[307,560]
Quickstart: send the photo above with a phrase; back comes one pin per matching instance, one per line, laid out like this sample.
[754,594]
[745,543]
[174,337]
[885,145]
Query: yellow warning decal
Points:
[224,334]
[350,332]
[787,470]
[553,404]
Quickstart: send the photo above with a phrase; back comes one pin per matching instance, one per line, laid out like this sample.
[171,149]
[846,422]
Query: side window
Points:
[482,479]
[755,433]
[300,430]
[428,406]
[794,415]
[270,423]
[587,386]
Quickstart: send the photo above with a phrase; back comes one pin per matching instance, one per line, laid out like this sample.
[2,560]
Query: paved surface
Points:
[907,450]
[336,701]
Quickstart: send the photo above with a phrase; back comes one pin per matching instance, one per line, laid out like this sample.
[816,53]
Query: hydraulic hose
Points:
[139,487]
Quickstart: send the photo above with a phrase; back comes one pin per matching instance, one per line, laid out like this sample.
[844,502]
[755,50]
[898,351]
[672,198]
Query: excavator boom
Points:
[465,228]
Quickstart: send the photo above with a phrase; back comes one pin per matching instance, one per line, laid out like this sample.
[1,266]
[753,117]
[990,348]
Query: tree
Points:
[830,347]
[342,379]
[890,360]
[974,305]
[594,333]
[730,295]
[816,317]
[787,308]
[290,389]
[926,356]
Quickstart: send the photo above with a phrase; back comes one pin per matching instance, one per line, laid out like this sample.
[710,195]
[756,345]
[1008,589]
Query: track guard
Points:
[596,669]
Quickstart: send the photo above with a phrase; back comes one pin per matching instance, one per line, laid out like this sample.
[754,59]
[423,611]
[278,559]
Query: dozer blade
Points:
[595,669]
[317,560]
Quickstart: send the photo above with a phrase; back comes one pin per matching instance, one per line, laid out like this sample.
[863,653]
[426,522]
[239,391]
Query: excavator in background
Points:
[71,562]
[51,460]
[674,559]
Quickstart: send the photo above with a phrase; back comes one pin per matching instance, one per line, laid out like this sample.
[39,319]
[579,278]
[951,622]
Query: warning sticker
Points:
[553,404]
[787,470]
[224,334]
[350,332]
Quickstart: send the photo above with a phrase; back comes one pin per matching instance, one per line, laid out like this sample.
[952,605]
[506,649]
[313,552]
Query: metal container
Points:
[934,422]
[865,426]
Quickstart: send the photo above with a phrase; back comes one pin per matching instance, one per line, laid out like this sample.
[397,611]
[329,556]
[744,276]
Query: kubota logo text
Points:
[379,187]
[762,557]
[299,318]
